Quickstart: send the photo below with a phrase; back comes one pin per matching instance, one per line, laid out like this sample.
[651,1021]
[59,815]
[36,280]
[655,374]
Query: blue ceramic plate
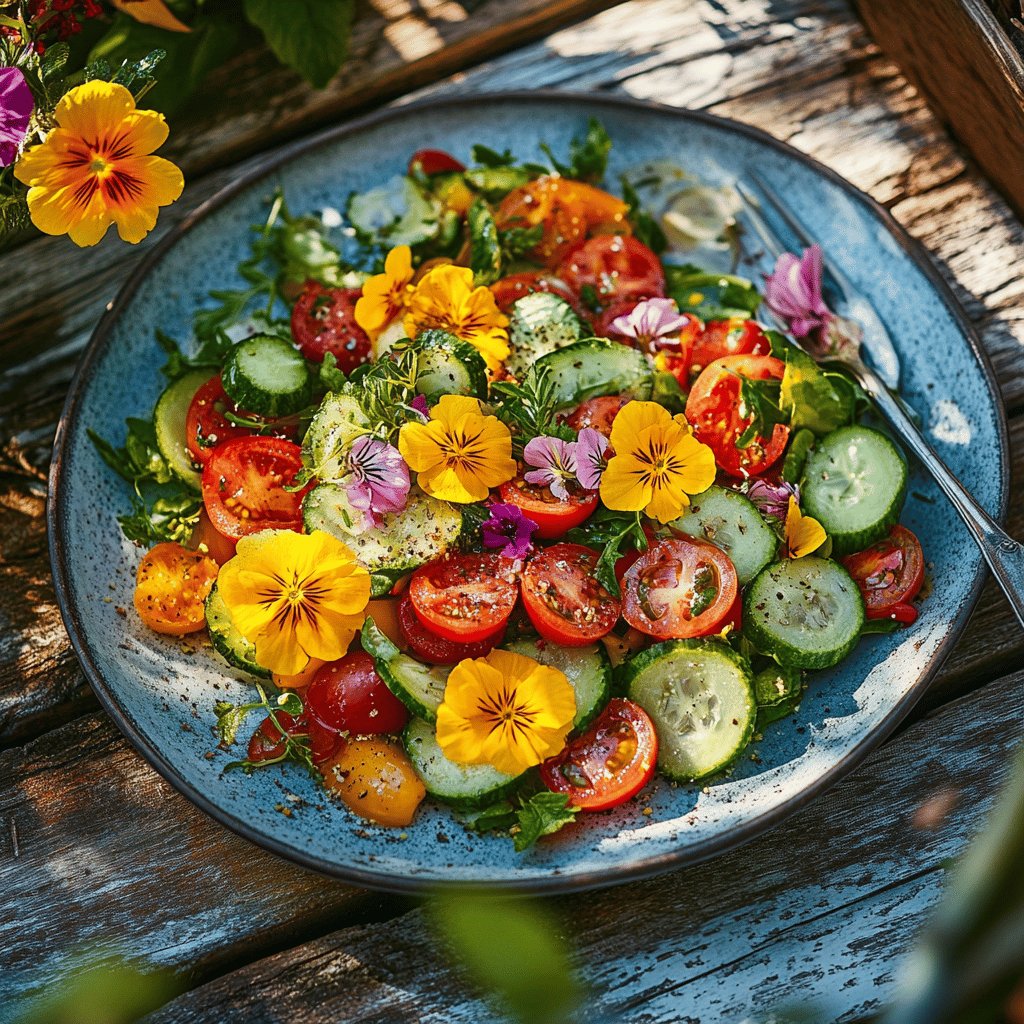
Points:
[162,697]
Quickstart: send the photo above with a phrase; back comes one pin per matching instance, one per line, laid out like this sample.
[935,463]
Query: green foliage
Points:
[542,814]
[759,399]
[615,533]
[484,245]
[711,296]
[815,399]
[645,227]
[588,156]
[529,409]
[296,746]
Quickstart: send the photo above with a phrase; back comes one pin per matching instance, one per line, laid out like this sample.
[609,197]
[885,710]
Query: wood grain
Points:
[818,913]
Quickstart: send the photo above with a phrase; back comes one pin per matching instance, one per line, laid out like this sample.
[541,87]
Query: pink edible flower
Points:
[508,528]
[591,449]
[555,464]
[772,500]
[16,106]
[379,478]
[793,293]
[421,405]
[649,321]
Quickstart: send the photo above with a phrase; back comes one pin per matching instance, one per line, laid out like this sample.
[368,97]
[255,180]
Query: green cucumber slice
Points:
[169,423]
[540,323]
[804,612]
[855,481]
[268,376]
[446,365]
[227,641]
[397,211]
[419,687]
[465,786]
[337,423]
[700,697]
[484,247]
[593,367]
[731,522]
[588,669]
[778,690]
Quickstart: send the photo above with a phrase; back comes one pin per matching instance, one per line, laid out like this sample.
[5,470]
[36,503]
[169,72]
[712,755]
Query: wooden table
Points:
[97,852]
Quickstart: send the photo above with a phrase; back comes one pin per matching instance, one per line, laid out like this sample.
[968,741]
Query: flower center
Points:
[99,166]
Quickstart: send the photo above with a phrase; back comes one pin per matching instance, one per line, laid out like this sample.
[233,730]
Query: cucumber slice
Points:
[424,530]
[538,324]
[778,691]
[855,482]
[701,699]
[337,423]
[227,641]
[495,183]
[397,211]
[731,522]
[484,247]
[169,423]
[267,376]
[465,786]
[593,367]
[419,687]
[446,365]
[588,669]
[804,612]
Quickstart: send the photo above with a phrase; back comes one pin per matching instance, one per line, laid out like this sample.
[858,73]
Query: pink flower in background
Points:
[508,528]
[591,449]
[380,477]
[772,500]
[555,464]
[793,293]
[649,321]
[16,106]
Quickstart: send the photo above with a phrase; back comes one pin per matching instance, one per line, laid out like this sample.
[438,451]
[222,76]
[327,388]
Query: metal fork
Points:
[1004,555]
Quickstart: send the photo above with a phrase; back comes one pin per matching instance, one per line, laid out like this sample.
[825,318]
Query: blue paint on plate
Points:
[162,697]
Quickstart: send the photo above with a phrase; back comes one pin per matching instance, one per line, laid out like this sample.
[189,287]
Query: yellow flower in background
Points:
[385,296]
[295,596]
[95,167]
[505,710]
[446,299]
[460,454]
[804,535]
[657,464]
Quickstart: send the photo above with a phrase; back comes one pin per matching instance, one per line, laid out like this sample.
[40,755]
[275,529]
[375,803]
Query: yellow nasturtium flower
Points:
[804,535]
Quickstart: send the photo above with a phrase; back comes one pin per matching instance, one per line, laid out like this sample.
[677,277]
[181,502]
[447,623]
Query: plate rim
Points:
[555,882]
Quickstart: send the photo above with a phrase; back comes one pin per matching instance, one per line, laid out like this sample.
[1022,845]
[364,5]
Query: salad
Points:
[499,499]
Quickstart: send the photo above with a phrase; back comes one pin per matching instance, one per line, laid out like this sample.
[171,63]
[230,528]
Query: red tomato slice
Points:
[890,574]
[714,410]
[244,486]
[206,426]
[429,647]
[679,589]
[611,762]
[554,517]
[348,696]
[434,161]
[210,541]
[564,601]
[512,288]
[267,743]
[735,337]
[598,413]
[615,268]
[465,598]
[324,320]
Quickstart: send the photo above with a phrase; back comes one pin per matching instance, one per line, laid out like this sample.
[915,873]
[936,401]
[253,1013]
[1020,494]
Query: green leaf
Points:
[588,157]
[542,815]
[499,816]
[814,398]
[484,247]
[645,227]
[759,399]
[301,248]
[330,377]
[517,242]
[883,626]
[230,718]
[800,446]
[668,392]
[310,36]
[711,296]
[487,157]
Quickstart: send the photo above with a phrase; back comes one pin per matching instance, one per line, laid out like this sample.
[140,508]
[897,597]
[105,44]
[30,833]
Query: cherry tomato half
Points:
[679,589]
[611,762]
[465,598]
[348,696]
[267,743]
[171,587]
[433,649]
[512,288]
[735,337]
[564,601]
[206,426]
[208,541]
[244,486]
[890,574]
[715,410]
[375,779]
[324,320]
[615,267]
[598,413]
[434,161]
[553,516]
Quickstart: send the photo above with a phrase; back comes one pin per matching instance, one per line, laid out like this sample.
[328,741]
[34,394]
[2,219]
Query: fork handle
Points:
[1004,555]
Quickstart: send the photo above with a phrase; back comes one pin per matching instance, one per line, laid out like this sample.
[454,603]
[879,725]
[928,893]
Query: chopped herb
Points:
[615,533]
[588,157]
[529,409]
[542,815]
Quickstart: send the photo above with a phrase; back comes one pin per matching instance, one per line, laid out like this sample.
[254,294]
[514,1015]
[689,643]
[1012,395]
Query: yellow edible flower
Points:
[461,453]
[804,535]
[295,596]
[95,167]
[657,465]
[505,710]
[385,295]
[445,298]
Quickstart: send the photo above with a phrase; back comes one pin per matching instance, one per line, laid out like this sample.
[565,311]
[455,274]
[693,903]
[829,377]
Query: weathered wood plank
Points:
[819,912]
[98,853]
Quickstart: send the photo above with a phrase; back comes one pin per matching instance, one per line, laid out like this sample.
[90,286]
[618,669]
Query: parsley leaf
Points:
[543,814]
[329,376]
[487,157]
[170,517]
[759,399]
[497,817]
[529,409]
[588,157]
[614,533]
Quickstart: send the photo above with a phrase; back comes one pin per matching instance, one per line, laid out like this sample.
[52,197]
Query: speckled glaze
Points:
[162,695]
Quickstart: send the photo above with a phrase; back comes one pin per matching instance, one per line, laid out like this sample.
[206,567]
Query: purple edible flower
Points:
[772,500]
[591,448]
[420,404]
[650,321]
[508,528]
[555,462]
[16,106]
[793,293]
[380,477]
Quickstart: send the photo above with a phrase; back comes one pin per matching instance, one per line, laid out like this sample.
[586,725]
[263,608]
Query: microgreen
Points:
[529,408]
[230,718]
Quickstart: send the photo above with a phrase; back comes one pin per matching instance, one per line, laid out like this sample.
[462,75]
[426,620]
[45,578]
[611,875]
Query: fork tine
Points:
[771,241]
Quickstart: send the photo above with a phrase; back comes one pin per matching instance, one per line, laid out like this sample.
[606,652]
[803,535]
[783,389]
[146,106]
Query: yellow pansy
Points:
[460,454]
[95,167]
[295,596]
[385,295]
[505,710]
[804,535]
[445,298]
[657,464]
